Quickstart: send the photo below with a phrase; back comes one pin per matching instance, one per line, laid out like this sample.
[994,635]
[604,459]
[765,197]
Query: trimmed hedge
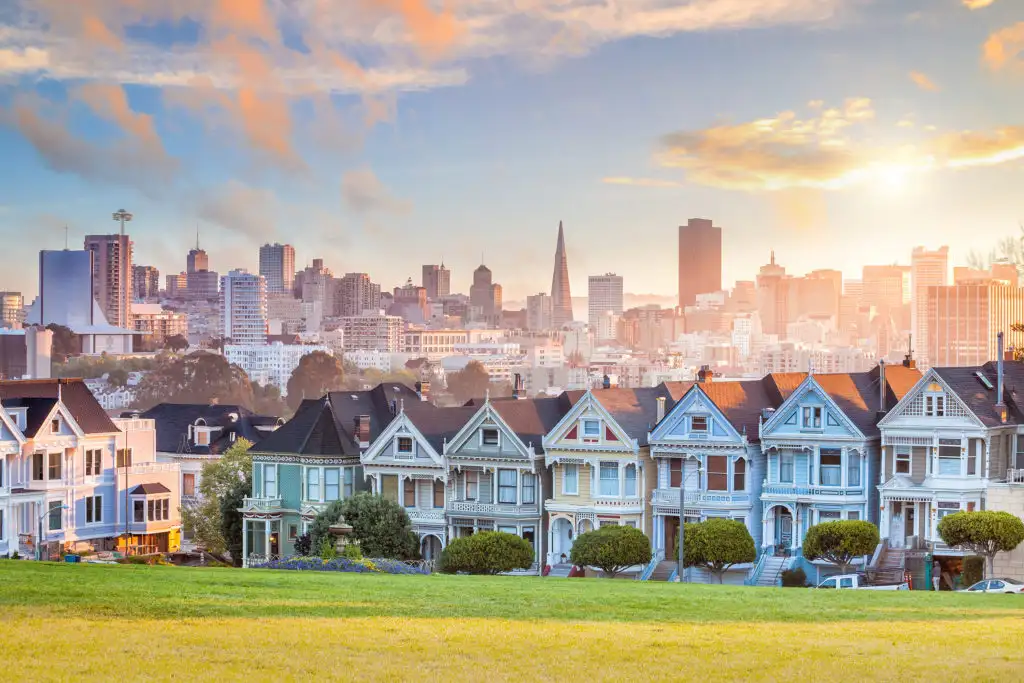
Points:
[488,552]
[794,578]
[611,549]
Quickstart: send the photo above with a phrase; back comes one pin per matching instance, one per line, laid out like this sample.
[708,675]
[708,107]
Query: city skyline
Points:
[853,159]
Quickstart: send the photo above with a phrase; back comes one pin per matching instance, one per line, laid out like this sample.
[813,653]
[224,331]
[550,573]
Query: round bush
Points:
[611,549]
[488,552]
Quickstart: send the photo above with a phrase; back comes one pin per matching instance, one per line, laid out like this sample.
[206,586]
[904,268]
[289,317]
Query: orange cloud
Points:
[923,82]
[246,17]
[1005,48]
[111,102]
[977,4]
[433,31]
[972,148]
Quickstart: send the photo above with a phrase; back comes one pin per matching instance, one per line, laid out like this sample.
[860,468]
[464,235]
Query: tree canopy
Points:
[196,378]
[841,541]
[266,400]
[65,343]
[472,381]
[986,533]
[176,343]
[316,374]
[611,549]
[218,479]
[717,545]
[381,526]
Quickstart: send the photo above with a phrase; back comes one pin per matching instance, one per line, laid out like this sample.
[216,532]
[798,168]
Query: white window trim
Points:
[95,508]
[267,467]
[465,485]
[707,424]
[896,459]
[576,469]
[497,432]
[404,455]
[619,474]
[812,407]
[583,431]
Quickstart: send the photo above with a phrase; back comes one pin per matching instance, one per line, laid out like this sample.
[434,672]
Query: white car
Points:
[996,586]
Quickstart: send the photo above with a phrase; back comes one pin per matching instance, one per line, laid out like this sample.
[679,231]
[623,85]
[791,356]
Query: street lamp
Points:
[122,216]
[682,514]
[39,544]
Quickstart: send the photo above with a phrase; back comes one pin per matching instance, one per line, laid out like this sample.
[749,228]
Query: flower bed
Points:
[339,564]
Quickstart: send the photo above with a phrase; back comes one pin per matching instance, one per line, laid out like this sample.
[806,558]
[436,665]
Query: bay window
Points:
[138,511]
[609,479]
[93,461]
[349,481]
[570,480]
[1019,455]
[389,487]
[902,459]
[829,516]
[507,484]
[438,494]
[472,485]
[675,472]
[54,466]
[739,475]
[852,468]
[830,467]
[718,473]
[270,481]
[943,509]
[38,471]
[630,481]
[313,484]
[409,492]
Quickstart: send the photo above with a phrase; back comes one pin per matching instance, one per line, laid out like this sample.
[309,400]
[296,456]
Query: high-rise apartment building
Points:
[410,303]
[963,321]
[373,330]
[700,260]
[243,308]
[66,288]
[277,265]
[354,294]
[484,295]
[927,269]
[773,298]
[202,284]
[12,310]
[176,286]
[437,280]
[538,312]
[145,283]
[604,295]
[561,295]
[112,276]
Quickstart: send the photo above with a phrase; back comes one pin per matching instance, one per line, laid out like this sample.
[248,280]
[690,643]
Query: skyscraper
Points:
[243,308]
[561,296]
[202,283]
[145,283]
[355,294]
[963,322]
[700,260]
[12,309]
[437,280]
[604,295]
[66,288]
[277,265]
[927,269]
[112,276]
[773,298]
[538,312]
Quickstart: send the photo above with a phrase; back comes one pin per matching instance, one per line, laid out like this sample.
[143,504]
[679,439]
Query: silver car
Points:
[996,586]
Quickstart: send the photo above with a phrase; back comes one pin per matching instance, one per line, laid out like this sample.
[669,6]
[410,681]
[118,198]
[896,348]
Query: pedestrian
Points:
[936,575]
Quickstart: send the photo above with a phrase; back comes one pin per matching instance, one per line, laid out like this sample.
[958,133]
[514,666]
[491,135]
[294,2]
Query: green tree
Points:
[316,374]
[176,343]
[611,549]
[204,519]
[381,526]
[717,545]
[118,377]
[841,542]
[320,528]
[199,377]
[472,381]
[65,343]
[488,552]
[231,525]
[986,533]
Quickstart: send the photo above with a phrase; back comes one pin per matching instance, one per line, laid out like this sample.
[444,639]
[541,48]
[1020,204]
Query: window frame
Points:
[739,475]
[471,478]
[186,489]
[38,466]
[693,424]
[94,509]
[401,441]
[609,466]
[409,486]
[904,458]
[630,468]
[55,426]
[93,462]
[585,433]
[328,485]
[348,482]
[947,460]
[575,470]
[723,474]
[505,489]
[312,484]
[436,484]
[529,483]
[270,467]
[486,442]
[138,511]
[54,461]
[834,469]
[54,509]
[675,472]
[854,465]
[812,416]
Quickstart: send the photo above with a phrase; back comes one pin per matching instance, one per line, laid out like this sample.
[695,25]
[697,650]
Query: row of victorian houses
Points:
[779,454]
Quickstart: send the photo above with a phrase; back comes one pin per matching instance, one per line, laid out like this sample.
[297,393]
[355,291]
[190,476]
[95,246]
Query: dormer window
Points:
[812,417]
[489,437]
[55,426]
[591,429]
[202,437]
[699,424]
[404,445]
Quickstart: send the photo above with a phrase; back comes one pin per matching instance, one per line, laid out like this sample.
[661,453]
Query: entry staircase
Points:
[560,571]
[664,570]
[890,567]
[772,569]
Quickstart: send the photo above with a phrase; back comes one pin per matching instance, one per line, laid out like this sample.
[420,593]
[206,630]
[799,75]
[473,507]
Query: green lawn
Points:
[164,623]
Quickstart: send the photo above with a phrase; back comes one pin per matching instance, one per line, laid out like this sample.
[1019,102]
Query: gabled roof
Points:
[438,425]
[174,419]
[635,410]
[149,489]
[742,403]
[532,418]
[37,410]
[981,400]
[77,398]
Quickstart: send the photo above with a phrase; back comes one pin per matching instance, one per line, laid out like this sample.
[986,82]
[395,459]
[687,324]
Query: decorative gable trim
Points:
[383,445]
[9,423]
[697,401]
[809,387]
[487,416]
[59,410]
[567,429]
[902,407]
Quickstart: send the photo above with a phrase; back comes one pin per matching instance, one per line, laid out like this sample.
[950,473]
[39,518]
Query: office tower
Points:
[410,302]
[927,269]
[604,294]
[243,308]
[202,284]
[277,265]
[437,280]
[177,286]
[700,260]
[12,310]
[538,312]
[773,298]
[197,259]
[66,289]
[355,293]
[815,296]
[481,292]
[561,296]
[962,322]
[145,283]
[112,276]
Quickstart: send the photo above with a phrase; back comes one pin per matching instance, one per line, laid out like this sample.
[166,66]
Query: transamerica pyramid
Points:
[561,297]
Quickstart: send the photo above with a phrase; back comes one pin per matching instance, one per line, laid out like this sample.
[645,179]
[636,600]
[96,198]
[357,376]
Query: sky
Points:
[380,135]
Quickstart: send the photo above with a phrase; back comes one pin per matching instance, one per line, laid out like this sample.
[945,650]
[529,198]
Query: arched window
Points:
[739,475]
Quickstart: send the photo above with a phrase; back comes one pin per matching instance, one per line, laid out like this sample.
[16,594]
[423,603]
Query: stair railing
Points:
[656,559]
[755,574]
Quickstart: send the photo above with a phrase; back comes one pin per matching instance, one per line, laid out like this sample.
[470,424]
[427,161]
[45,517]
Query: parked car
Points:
[1006,586]
[859,582]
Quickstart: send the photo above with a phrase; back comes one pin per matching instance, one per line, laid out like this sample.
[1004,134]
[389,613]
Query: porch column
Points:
[988,455]
[494,486]
[266,537]
[883,519]
[977,456]
[767,530]
[798,527]
[881,472]
[245,542]
[519,487]
[401,490]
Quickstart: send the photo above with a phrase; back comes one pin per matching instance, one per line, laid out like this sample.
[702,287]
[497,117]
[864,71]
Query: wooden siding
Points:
[584,497]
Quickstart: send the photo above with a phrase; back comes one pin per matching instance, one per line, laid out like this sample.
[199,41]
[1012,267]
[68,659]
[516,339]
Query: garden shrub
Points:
[488,552]
[793,578]
[974,570]
[611,549]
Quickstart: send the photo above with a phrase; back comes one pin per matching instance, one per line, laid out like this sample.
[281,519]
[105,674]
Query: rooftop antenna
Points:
[66,237]
[197,235]
[122,216]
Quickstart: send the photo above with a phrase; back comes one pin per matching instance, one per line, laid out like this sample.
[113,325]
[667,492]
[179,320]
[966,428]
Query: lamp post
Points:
[682,514]
[39,543]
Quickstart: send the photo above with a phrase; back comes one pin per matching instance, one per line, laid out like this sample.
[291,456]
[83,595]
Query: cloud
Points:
[111,103]
[1005,48]
[640,182]
[363,192]
[977,4]
[247,211]
[27,60]
[923,82]
[967,149]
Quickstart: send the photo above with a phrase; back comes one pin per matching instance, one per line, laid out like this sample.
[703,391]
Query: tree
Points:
[611,549]
[118,377]
[231,524]
[840,542]
[1009,250]
[985,533]
[196,378]
[381,526]
[717,545]
[65,343]
[176,343]
[320,528]
[316,374]
[266,400]
[472,381]
[488,552]
[205,519]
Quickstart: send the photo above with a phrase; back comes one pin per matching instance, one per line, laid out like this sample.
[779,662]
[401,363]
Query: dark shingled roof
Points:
[149,489]
[742,403]
[38,409]
[636,410]
[438,425]
[981,400]
[80,402]
[173,421]
[532,418]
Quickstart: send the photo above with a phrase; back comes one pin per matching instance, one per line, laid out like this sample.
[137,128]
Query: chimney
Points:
[908,360]
[518,386]
[661,409]
[1000,378]
[362,431]
[706,375]
[423,390]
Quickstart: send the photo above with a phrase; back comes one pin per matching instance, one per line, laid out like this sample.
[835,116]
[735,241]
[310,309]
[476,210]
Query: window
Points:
[718,473]
[124,457]
[1019,464]
[530,535]
[949,456]
[591,429]
[293,531]
[529,488]
[313,484]
[270,481]
[507,483]
[812,417]
[699,424]
[349,481]
[935,405]
[853,514]
[852,468]
[829,515]
[389,487]
[489,437]
[846,582]
[508,530]
[409,492]
[609,479]
[93,463]
[571,480]
[675,472]
[630,491]
[404,445]
[630,523]
[37,467]
[55,508]
[138,511]
[159,510]
[828,583]
[943,509]
[739,475]
[438,494]
[54,466]
[202,437]
[94,509]
[902,463]
[55,426]
[331,484]
[472,485]
[830,467]
[786,467]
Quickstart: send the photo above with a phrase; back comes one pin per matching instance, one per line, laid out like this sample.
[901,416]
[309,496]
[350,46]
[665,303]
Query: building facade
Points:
[963,322]
[145,283]
[437,280]
[271,364]
[12,310]
[277,266]
[927,269]
[604,297]
[243,308]
[373,331]
[355,294]
[700,260]
[112,276]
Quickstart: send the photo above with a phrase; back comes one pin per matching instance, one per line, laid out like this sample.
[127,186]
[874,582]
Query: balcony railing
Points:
[670,498]
[262,504]
[1015,476]
[150,468]
[804,490]
[473,507]
[418,515]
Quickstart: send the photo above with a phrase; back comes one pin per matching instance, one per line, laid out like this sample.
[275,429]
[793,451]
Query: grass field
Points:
[166,623]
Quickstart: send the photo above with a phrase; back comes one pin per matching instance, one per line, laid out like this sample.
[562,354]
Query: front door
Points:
[671,536]
[785,530]
[275,548]
[908,517]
